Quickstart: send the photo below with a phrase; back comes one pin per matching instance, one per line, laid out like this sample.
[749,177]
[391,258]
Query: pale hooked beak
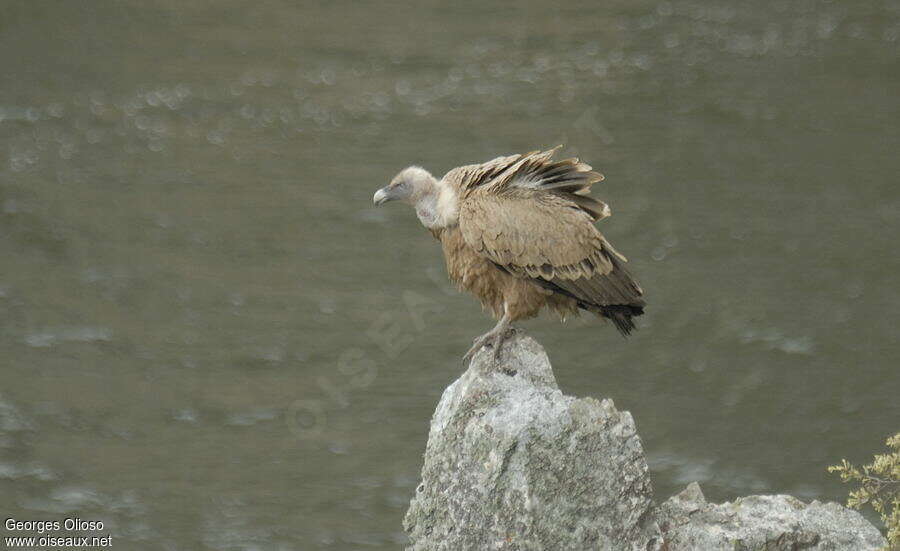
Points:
[381,196]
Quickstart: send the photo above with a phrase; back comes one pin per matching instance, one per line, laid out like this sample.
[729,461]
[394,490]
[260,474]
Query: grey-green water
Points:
[210,339]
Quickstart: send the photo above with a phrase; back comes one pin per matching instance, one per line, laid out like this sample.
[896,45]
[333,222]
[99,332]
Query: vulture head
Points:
[411,186]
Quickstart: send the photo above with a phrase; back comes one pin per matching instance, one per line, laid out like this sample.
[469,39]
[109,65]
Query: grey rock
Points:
[771,523]
[513,464]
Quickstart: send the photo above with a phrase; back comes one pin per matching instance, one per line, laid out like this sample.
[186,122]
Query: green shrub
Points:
[879,486]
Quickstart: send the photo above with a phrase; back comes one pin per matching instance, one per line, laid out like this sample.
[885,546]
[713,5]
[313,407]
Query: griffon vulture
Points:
[518,232]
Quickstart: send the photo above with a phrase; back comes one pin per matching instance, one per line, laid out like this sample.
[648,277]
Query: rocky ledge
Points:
[513,464]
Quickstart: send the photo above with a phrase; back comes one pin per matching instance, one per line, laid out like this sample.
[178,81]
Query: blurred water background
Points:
[210,339]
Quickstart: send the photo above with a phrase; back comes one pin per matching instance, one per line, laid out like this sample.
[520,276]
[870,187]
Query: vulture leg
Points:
[494,338]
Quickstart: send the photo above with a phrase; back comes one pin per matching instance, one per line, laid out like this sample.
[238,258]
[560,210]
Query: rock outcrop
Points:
[772,523]
[513,464]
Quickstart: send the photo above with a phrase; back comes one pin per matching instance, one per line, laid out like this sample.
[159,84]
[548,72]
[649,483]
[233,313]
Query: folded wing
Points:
[532,219]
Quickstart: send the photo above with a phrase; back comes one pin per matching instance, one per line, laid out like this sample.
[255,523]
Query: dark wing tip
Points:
[621,316]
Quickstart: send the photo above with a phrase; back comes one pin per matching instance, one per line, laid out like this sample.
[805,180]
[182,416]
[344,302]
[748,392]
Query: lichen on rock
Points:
[512,463]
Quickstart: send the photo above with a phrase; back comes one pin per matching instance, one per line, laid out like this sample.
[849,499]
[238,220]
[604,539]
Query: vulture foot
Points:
[493,338]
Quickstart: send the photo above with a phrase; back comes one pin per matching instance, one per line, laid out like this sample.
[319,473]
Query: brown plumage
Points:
[518,232]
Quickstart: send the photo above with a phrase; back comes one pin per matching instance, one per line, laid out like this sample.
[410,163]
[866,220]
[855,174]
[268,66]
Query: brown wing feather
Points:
[547,237]
[469,177]
[541,235]
[534,171]
[533,234]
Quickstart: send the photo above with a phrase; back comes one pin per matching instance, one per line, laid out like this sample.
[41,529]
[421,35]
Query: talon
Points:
[493,338]
[477,344]
[496,351]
